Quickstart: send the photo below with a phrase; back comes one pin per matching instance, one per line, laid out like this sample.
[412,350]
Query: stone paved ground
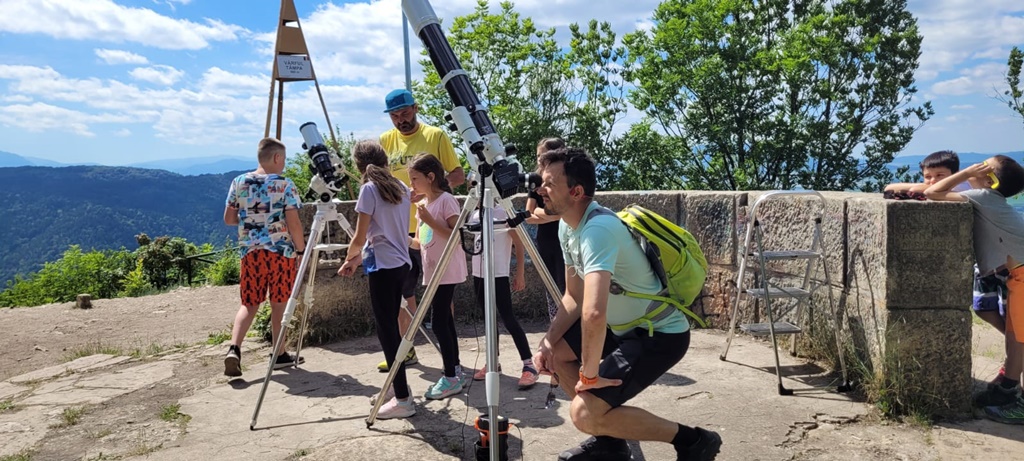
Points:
[176,405]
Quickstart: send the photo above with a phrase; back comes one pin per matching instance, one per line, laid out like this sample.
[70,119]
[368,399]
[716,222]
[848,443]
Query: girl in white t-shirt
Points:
[436,217]
[504,239]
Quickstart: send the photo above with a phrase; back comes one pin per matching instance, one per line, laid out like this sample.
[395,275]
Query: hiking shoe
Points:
[445,387]
[528,379]
[1000,376]
[395,408]
[410,359]
[285,360]
[598,449]
[481,374]
[388,395]
[233,362]
[996,396]
[705,449]
[1011,413]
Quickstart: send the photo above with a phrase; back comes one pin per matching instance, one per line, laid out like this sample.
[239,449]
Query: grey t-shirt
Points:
[998,229]
[388,233]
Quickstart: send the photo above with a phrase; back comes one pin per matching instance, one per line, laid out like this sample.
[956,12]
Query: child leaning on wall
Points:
[998,245]
[935,167]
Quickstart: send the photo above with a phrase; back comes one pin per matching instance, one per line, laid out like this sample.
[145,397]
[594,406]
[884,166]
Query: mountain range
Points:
[184,166]
[101,207]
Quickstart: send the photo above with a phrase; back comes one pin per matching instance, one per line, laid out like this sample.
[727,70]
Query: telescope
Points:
[325,184]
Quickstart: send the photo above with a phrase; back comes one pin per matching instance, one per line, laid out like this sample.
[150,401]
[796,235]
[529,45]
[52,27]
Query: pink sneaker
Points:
[528,379]
[481,374]
[397,409]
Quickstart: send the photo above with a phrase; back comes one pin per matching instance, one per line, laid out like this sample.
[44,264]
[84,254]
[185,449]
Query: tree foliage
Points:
[530,86]
[1014,94]
[777,94]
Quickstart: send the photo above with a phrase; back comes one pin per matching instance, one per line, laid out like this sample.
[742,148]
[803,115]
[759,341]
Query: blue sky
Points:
[128,81]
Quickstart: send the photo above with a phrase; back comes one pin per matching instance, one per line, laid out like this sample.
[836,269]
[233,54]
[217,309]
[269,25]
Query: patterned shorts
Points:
[990,291]
[265,271]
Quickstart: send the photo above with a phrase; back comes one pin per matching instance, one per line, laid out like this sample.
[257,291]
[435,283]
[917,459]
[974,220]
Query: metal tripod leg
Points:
[405,307]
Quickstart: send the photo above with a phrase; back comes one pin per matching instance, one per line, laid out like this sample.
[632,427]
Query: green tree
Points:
[164,259]
[780,93]
[298,167]
[531,87]
[1014,94]
[99,273]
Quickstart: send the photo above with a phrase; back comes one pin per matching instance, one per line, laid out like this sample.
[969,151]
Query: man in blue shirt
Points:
[602,259]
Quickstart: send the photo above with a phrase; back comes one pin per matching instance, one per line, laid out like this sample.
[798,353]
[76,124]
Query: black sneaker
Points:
[996,395]
[233,362]
[705,449]
[285,360]
[598,449]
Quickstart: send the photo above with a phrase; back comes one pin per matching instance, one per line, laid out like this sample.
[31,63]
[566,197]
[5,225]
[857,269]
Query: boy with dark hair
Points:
[265,207]
[998,245]
[934,167]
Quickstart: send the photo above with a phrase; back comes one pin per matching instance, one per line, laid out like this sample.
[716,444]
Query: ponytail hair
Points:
[426,164]
[372,163]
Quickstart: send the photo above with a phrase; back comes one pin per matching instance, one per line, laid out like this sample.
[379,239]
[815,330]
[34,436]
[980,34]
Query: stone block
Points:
[866,243]
[930,255]
[711,218]
[928,358]
[666,203]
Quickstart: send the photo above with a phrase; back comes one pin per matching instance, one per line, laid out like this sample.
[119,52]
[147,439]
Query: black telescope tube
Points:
[459,88]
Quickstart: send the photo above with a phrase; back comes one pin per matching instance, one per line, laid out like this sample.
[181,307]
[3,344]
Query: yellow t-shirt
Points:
[401,149]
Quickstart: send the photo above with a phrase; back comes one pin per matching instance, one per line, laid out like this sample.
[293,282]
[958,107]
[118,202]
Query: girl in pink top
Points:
[436,215]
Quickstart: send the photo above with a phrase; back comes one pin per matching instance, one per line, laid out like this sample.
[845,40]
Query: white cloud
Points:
[962,106]
[38,117]
[158,74]
[123,133]
[16,98]
[104,20]
[956,31]
[120,57]
[985,79]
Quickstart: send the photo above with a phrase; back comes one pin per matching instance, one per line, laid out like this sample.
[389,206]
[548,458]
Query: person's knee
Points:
[561,352]
[588,413]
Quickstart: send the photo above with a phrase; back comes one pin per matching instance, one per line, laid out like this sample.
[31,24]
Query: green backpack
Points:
[674,255]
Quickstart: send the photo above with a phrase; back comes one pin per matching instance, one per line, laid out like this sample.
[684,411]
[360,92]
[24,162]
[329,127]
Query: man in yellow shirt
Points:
[407,139]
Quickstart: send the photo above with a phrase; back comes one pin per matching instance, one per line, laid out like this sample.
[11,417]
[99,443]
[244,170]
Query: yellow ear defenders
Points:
[995,180]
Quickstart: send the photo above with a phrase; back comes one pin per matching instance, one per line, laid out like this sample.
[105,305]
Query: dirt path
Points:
[38,337]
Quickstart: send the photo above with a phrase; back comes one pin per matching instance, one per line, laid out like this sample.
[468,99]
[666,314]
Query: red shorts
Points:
[1015,304]
[262,271]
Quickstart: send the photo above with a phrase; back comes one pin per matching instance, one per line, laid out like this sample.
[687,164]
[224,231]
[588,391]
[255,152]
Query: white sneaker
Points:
[388,395]
[397,409]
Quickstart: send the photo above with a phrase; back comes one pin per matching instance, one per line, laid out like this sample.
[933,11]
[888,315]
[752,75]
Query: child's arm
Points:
[906,187]
[441,227]
[294,224]
[231,215]
[943,190]
[538,215]
[355,246]
[519,279]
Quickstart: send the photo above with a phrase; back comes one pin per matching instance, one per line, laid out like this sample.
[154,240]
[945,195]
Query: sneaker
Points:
[388,395]
[395,408]
[464,376]
[705,449]
[410,359]
[598,449]
[233,362]
[1011,413]
[445,387]
[999,376]
[996,396]
[481,374]
[528,379]
[285,360]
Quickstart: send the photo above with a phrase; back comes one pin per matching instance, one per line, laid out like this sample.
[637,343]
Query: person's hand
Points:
[423,214]
[350,265]
[414,197]
[518,282]
[542,358]
[601,382]
[979,170]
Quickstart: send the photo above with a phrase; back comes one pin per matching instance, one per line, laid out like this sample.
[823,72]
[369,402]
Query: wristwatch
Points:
[585,380]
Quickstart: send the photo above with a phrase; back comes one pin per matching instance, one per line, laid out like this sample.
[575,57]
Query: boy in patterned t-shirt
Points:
[265,207]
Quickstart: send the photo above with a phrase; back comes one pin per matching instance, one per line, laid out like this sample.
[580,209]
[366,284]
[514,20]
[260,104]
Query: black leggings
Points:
[503,301]
[551,255]
[443,323]
[386,302]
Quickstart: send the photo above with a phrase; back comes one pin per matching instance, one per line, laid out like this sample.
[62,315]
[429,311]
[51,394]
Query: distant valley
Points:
[187,166]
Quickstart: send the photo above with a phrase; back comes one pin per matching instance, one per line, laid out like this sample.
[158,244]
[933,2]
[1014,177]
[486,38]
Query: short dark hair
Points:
[551,143]
[942,159]
[1010,174]
[579,167]
[267,148]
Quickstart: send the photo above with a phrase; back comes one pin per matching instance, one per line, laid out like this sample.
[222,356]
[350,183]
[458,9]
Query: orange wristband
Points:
[587,381]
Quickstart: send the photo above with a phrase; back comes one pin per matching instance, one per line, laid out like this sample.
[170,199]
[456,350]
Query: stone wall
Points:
[900,271]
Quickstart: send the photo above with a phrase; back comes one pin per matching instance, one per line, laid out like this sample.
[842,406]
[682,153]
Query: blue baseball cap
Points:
[398,99]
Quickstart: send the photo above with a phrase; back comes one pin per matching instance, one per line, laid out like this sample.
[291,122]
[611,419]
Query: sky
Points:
[129,81]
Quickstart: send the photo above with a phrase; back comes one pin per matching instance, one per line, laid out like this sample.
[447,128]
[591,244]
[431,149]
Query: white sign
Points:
[294,67]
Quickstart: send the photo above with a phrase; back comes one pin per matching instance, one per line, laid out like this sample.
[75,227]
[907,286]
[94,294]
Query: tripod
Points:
[326,212]
[484,190]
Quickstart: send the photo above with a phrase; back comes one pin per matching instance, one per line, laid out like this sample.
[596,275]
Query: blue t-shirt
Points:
[261,200]
[603,243]
[387,239]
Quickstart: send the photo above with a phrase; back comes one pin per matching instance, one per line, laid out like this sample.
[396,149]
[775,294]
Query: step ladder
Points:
[765,291]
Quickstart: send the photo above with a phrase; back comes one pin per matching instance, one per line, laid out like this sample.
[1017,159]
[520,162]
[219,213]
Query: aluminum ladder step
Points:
[762,329]
[780,292]
[331,246]
[785,255]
